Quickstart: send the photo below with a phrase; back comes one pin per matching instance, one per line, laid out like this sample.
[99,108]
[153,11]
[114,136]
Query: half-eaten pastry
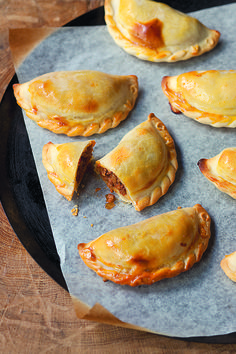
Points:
[141,168]
[66,164]
[228,264]
[78,102]
[206,96]
[162,246]
[156,32]
[221,170]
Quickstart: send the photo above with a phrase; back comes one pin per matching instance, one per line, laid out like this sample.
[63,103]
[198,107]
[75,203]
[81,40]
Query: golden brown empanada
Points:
[154,31]
[160,247]
[221,170]
[142,166]
[228,264]
[66,164]
[206,96]
[78,102]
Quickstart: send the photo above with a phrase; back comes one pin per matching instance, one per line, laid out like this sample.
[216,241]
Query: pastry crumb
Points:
[75,210]
[110,199]
[109,205]
[91,225]
[97,189]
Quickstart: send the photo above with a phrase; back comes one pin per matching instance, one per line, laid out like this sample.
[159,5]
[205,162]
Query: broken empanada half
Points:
[228,264]
[141,168]
[160,247]
[78,102]
[221,170]
[66,164]
[156,32]
[206,96]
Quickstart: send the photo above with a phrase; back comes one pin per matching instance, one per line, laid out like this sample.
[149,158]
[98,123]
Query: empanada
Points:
[221,170]
[142,166]
[206,96]
[78,102]
[160,247]
[154,31]
[66,164]
[228,264]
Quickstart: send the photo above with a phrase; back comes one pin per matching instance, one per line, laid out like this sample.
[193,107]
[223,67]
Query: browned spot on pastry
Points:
[199,73]
[174,110]
[195,49]
[60,121]
[34,110]
[148,34]
[91,106]
[201,164]
[139,259]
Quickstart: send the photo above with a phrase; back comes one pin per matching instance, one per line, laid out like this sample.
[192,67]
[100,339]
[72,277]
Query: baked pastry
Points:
[156,32]
[66,164]
[206,96]
[78,102]
[142,166]
[160,247]
[228,264]
[221,170]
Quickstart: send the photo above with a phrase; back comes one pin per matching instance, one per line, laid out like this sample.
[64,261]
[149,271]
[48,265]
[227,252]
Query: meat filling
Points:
[111,180]
[83,163]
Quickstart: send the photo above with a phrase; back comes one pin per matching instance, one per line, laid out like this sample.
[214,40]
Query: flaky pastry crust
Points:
[76,103]
[66,164]
[156,248]
[221,170]
[142,166]
[156,32]
[205,96]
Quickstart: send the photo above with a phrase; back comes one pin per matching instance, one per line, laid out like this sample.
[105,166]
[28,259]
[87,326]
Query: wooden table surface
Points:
[36,314]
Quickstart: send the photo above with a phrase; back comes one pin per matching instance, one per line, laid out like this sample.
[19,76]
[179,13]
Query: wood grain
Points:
[36,314]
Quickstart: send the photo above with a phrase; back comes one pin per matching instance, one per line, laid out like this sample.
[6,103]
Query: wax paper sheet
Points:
[202,301]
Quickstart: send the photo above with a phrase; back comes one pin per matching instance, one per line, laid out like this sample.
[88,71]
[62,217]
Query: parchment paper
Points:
[200,302]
